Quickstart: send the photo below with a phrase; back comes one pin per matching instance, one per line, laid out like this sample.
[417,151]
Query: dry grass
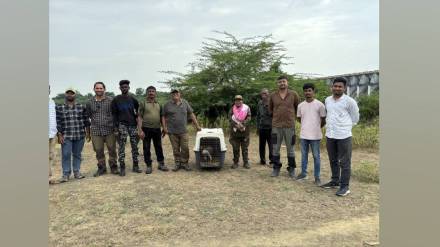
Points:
[210,208]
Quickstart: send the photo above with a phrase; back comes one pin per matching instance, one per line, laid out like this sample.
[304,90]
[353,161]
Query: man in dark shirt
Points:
[72,125]
[264,126]
[124,110]
[283,105]
[102,129]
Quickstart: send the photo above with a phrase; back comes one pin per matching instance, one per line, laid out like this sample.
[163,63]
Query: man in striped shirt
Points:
[102,129]
[73,126]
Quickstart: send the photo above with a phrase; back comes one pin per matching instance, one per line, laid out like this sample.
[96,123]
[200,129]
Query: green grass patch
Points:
[366,171]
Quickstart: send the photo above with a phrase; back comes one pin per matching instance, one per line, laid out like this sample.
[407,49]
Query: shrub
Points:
[366,172]
[368,107]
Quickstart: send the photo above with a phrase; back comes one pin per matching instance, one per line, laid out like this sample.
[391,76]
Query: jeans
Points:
[265,137]
[314,144]
[71,149]
[339,155]
[156,136]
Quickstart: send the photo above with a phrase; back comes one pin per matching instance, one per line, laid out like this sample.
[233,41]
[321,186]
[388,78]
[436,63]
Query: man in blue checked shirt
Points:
[73,127]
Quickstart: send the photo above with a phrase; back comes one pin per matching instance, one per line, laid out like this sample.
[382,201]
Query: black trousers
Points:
[155,135]
[265,137]
[339,155]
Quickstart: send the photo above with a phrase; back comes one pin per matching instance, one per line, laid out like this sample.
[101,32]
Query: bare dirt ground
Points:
[211,208]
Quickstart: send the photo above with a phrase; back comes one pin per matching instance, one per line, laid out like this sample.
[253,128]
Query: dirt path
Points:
[211,208]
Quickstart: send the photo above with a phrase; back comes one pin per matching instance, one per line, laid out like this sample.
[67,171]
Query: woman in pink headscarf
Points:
[239,116]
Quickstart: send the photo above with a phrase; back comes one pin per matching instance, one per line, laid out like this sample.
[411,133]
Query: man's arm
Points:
[114,108]
[60,124]
[295,101]
[139,120]
[194,121]
[86,121]
[353,110]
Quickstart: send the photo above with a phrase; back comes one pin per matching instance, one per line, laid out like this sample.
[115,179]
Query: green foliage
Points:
[366,172]
[369,107]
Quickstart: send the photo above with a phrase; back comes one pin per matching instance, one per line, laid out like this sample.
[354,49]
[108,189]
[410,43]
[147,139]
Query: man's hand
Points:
[258,132]
[198,128]
[141,134]
[164,132]
[115,131]
[60,138]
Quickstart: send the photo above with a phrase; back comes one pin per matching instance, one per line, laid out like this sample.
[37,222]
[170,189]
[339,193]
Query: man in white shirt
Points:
[52,133]
[342,115]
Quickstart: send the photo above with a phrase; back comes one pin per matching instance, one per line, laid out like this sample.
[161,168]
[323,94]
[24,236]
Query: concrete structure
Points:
[362,83]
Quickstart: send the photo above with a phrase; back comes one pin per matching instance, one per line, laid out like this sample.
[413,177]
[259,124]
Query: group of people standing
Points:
[105,120]
[276,116]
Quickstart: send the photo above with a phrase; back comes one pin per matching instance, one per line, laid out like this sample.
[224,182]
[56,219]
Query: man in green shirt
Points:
[149,122]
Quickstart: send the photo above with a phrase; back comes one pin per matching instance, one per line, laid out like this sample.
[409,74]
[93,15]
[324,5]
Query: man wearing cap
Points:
[149,122]
[283,105]
[124,110]
[73,126]
[102,129]
[239,117]
[175,115]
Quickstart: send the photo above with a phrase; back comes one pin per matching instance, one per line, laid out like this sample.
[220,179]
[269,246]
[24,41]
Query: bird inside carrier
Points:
[210,148]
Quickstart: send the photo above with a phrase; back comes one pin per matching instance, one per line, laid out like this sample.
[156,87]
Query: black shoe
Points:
[176,167]
[163,167]
[234,166]
[291,172]
[78,175]
[136,168]
[186,167]
[317,181]
[246,165]
[262,162]
[114,170]
[122,169]
[275,172]
[301,176]
[101,171]
[330,185]
[343,191]
[149,169]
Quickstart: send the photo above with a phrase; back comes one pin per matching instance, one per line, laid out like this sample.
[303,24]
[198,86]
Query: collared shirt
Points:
[150,112]
[52,119]
[342,115]
[100,114]
[177,116]
[264,119]
[283,110]
[72,121]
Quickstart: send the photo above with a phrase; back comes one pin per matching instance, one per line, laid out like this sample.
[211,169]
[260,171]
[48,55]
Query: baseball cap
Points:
[70,89]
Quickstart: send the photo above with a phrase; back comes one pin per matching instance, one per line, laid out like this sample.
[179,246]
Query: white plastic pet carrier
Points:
[210,148]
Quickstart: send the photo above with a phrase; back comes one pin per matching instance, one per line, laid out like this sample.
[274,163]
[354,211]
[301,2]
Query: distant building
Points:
[361,83]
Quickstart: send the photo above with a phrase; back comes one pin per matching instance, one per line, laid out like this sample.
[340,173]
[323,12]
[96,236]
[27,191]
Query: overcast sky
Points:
[110,40]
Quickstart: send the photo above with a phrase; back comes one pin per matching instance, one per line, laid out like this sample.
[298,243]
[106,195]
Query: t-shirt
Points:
[124,110]
[177,116]
[310,114]
[150,112]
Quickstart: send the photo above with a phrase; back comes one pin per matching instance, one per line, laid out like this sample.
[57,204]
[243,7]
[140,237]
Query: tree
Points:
[139,92]
[230,66]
